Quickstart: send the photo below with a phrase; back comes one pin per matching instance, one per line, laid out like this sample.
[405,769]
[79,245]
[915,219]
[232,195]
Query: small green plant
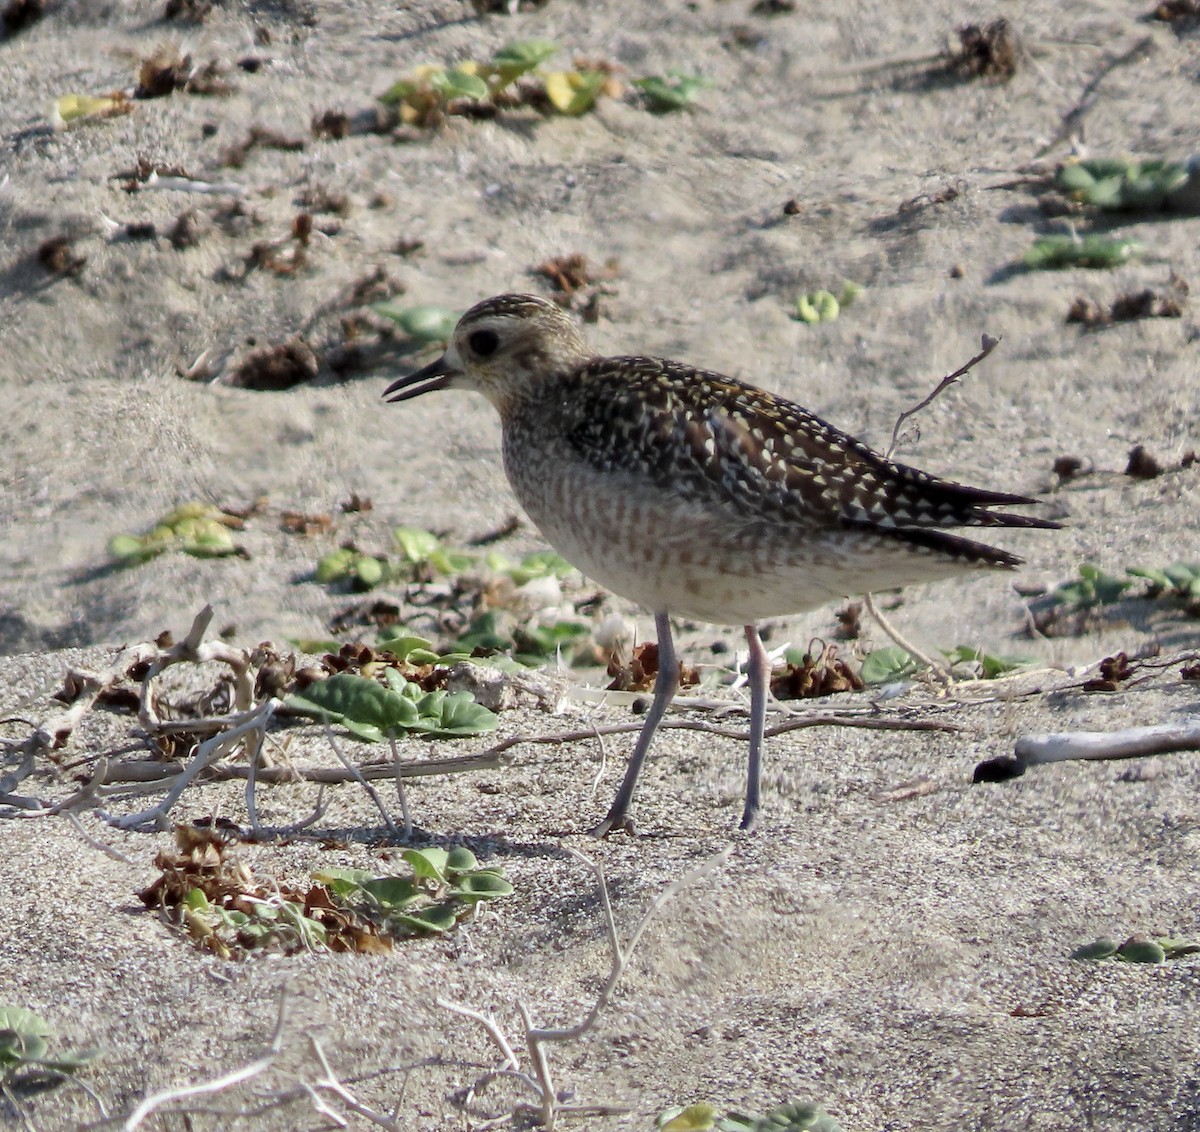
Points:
[424,550]
[431,87]
[983,665]
[1053,253]
[539,564]
[888,664]
[372,712]
[1122,185]
[444,888]
[413,650]
[1137,949]
[529,645]
[423,326]
[704,1117]
[1093,587]
[517,59]
[220,904]
[573,93]
[824,306]
[425,97]
[673,91]
[421,555]
[256,923]
[1179,580]
[198,529]
[25,1047]
[346,564]
[891,663]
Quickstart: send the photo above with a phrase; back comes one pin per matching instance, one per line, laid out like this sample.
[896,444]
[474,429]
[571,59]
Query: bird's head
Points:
[500,348]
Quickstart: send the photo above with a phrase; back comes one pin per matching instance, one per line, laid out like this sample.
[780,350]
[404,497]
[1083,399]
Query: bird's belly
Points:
[678,556]
[704,558]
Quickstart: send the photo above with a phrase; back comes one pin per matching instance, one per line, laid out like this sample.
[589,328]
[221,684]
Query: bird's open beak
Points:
[436,375]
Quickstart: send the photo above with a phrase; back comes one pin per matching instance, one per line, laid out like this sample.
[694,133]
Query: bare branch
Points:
[989,344]
[940,671]
[208,752]
[354,772]
[156,1101]
[492,1028]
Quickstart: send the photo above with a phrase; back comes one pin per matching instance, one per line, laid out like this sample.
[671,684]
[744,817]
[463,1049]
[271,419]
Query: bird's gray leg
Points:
[665,686]
[758,672]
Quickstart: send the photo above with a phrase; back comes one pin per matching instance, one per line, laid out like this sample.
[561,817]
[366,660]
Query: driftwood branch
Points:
[1131,743]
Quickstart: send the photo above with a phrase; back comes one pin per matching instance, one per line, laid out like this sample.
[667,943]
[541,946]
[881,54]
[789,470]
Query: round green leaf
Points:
[1141,950]
[461,860]
[1097,949]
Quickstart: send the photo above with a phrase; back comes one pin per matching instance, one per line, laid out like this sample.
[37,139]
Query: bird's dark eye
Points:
[484,343]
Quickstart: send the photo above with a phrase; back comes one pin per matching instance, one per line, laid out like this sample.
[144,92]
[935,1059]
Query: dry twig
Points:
[536,1038]
[988,345]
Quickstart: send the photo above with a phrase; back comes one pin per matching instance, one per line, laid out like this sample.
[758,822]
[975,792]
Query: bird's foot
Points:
[614,823]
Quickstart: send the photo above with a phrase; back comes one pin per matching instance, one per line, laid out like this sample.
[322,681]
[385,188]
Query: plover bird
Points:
[697,495]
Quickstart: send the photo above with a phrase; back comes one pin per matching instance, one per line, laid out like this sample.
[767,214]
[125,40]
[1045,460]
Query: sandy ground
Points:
[899,958]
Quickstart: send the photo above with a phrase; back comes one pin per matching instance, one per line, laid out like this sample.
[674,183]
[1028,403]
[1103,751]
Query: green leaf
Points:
[797,1118]
[1107,587]
[885,665]
[817,306]
[458,717]
[1182,576]
[460,860]
[1140,950]
[990,666]
[517,59]
[428,863]
[341,881]
[24,1022]
[459,83]
[1052,253]
[23,1035]
[1073,178]
[675,91]
[544,642]
[485,632]
[1158,579]
[391,892]
[574,92]
[417,545]
[403,646]
[1094,587]
[527,53]
[132,551]
[1120,183]
[72,1060]
[540,564]
[1175,948]
[426,323]
[450,561]
[482,885]
[695,1118]
[196,900]
[365,708]
[1097,949]
[785,1118]
[368,571]
[437,918]
[335,565]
